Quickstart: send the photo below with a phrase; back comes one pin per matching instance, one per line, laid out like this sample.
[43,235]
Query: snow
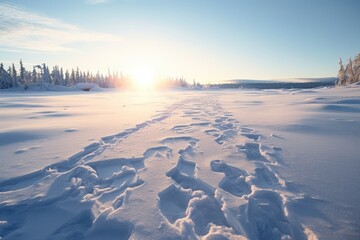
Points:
[87,86]
[220,164]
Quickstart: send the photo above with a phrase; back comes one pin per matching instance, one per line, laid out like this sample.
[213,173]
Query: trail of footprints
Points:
[263,214]
[81,190]
[188,204]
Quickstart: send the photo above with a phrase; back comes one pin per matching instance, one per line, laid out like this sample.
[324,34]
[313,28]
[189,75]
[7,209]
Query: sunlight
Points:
[144,77]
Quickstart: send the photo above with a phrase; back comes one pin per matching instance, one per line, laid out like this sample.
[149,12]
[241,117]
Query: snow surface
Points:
[270,164]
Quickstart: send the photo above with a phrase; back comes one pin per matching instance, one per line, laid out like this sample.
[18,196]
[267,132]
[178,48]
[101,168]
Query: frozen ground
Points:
[180,165]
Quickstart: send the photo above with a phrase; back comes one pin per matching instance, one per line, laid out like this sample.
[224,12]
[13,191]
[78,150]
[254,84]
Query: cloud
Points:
[21,29]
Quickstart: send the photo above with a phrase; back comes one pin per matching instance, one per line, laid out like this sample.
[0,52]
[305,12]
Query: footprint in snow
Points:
[234,181]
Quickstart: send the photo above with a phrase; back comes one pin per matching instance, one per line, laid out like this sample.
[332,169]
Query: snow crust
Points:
[271,164]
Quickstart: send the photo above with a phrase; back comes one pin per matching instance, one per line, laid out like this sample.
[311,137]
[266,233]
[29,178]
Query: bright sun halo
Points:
[143,77]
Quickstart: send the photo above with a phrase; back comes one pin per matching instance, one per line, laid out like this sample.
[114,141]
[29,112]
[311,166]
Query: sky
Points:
[205,40]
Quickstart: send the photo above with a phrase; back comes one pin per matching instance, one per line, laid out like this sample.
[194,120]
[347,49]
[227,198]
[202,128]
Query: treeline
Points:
[171,82]
[43,77]
[350,73]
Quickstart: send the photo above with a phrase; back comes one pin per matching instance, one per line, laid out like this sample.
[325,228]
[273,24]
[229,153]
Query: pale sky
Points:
[206,40]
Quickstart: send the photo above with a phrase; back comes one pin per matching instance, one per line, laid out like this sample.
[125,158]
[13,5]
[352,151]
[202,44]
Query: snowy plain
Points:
[226,164]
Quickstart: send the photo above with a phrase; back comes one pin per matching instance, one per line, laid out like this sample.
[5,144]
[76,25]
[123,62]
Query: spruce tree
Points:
[62,77]
[34,77]
[72,78]
[356,68]
[77,76]
[67,78]
[14,76]
[22,73]
[349,71]
[341,74]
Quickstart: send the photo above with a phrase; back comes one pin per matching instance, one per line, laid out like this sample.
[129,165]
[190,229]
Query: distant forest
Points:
[350,73]
[42,77]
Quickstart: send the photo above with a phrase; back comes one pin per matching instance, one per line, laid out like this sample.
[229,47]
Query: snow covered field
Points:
[270,164]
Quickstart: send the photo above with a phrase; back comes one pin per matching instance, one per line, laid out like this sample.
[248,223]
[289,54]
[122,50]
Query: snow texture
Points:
[203,165]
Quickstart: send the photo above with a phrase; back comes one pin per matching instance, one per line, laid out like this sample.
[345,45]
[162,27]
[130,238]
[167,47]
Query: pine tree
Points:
[45,76]
[356,68]
[2,76]
[5,77]
[48,76]
[67,78]
[72,78]
[34,77]
[22,73]
[341,74]
[62,76]
[9,71]
[349,71]
[14,76]
[77,76]
[2,79]
[55,74]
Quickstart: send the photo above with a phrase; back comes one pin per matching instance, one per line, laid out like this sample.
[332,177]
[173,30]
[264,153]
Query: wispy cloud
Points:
[21,29]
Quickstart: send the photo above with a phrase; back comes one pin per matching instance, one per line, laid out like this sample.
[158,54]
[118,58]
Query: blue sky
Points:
[206,40]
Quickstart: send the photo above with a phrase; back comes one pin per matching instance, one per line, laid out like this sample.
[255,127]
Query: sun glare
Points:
[144,77]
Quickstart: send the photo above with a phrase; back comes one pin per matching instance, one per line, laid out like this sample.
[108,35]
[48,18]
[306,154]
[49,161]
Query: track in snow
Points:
[191,172]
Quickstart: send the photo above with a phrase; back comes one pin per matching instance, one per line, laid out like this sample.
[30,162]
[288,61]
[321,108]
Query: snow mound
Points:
[87,86]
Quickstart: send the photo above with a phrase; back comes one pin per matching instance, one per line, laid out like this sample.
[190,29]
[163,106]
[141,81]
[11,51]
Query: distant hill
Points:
[323,79]
[278,83]
[297,80]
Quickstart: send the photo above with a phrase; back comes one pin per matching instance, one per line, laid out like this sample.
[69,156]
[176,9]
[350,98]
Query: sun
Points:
[143,76]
